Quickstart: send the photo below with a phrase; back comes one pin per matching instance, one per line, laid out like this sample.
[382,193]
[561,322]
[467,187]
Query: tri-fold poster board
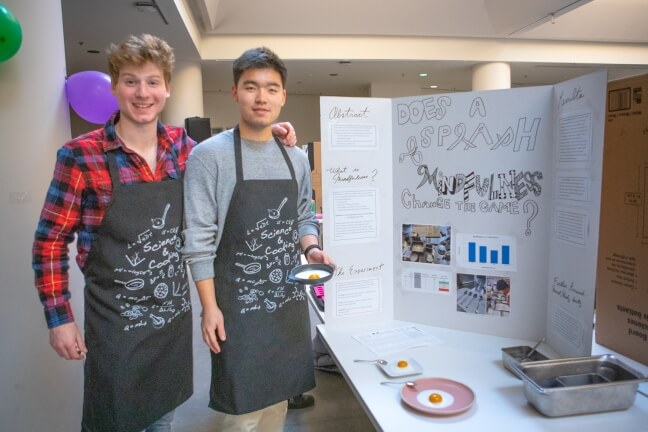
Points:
[476,211]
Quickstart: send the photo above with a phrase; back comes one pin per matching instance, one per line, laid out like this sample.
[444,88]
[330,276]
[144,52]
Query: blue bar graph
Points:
[493,258]
[481,254]
[506,254]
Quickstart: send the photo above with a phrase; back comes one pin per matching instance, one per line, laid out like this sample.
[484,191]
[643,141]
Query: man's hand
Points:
[286,133]
[67,341]
[213,328]
[318,256]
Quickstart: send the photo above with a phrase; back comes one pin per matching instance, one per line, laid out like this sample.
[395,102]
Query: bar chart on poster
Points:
[486,251]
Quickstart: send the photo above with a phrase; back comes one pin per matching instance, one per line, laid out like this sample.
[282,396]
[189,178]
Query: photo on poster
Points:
[426,244]
[484,295]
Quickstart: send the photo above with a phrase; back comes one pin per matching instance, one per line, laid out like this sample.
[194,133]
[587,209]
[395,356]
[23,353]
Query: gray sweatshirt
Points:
[209,181]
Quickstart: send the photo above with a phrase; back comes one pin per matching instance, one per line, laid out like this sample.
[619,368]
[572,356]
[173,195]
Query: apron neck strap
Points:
[113,168]
[239,159]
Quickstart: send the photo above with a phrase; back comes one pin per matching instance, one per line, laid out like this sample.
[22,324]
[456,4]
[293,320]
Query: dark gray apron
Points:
[267,357]
[137,304]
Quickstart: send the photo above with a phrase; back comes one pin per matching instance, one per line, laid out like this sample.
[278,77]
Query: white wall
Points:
[300,110]
[392,90]
[38,391]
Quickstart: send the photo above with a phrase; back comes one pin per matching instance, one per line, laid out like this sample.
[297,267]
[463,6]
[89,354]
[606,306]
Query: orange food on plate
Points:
[313,276]
[402,364]
[435,398]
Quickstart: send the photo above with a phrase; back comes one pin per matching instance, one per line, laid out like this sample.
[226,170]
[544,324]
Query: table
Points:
[474,360]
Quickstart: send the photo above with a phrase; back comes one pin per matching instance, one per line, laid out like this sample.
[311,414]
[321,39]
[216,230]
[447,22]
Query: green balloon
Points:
[10,34]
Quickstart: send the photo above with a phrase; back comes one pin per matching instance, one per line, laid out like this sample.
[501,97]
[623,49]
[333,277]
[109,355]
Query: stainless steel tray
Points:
[579,385]
[512,356]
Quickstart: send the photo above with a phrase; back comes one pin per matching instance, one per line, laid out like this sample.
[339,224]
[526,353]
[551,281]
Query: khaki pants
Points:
[269,419]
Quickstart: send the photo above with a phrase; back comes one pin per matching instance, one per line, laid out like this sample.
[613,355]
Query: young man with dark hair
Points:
[248,219]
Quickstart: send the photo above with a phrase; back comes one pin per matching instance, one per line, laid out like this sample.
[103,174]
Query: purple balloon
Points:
[90,95]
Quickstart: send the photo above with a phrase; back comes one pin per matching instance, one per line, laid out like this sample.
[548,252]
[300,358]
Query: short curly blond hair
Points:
[137,50]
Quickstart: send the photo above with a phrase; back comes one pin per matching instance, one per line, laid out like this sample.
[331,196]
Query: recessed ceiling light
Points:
[434,86]
[145,6]
[423,74]
[150,6]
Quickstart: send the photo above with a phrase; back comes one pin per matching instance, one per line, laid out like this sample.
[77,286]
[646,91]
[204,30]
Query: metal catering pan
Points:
[579,385]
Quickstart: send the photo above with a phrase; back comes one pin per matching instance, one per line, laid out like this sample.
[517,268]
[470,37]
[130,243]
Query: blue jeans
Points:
[163,424]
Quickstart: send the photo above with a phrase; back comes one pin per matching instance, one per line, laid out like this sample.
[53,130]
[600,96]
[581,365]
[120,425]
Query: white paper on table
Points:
[394,340]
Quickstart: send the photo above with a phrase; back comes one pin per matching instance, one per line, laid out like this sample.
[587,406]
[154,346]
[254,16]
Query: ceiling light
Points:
[145,6]
[434,86]
[150,6]
[423,74]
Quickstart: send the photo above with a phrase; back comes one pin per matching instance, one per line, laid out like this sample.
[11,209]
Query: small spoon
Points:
[379,361]
[410,384]
[535,347]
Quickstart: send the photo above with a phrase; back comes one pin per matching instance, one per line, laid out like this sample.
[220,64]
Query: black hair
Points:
[259,58]
[501,285]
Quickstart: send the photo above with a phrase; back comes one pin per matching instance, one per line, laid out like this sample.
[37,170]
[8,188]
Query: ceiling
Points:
[91,25]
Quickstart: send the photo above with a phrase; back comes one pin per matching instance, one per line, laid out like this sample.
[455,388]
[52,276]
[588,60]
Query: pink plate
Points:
[455,397]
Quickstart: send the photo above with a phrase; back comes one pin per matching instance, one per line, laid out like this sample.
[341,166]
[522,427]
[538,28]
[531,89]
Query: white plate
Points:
[391,368]
[311,274]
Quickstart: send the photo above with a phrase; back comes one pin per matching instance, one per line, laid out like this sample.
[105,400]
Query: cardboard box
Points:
[622,271]
[316,175]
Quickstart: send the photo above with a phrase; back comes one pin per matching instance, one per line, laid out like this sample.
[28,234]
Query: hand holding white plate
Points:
[311,274]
